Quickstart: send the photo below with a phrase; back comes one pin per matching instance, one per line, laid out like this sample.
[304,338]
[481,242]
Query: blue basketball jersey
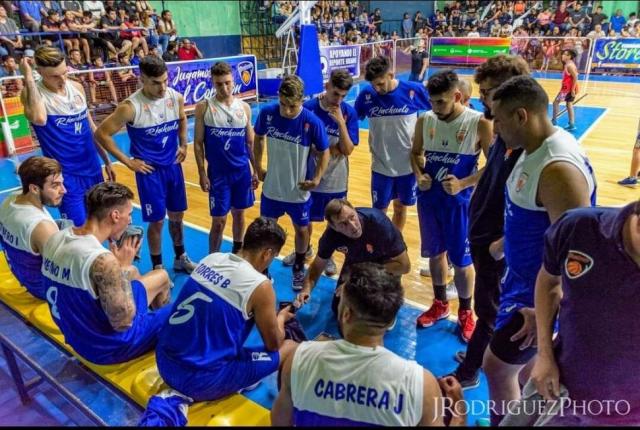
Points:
[289,144]
[154,132]
[210,321]
[450,148]
[17,223]
[225,137]
[75,306]
[525,221]
[392,123]
[67,136]
[336,176]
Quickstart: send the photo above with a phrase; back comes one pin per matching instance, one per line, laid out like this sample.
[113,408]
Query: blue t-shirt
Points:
[617,22]
[380,240]
[289,144]
[32,8]
[597,357]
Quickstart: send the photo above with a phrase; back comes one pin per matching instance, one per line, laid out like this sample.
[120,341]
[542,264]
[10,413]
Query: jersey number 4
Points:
[186,306]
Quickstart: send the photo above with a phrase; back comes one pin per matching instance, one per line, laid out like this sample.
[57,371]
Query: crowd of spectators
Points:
[94,35]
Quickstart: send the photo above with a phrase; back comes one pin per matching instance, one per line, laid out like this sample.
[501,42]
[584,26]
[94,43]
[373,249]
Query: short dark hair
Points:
[443,81]
[72,50]
[500,68]
[334,207]
[373,293]
[523,91]
[377,67]
[152,66]
[221,68]
[291,88]
[264,233]
[108,10]
[341,79]
[35,171]
[164,12]
[103,197]
[571,53]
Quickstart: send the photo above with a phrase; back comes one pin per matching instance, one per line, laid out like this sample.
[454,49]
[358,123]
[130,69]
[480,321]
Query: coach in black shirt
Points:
[363,235]
[486,220]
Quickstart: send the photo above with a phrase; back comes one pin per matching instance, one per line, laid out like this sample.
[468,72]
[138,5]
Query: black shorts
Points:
[506,350]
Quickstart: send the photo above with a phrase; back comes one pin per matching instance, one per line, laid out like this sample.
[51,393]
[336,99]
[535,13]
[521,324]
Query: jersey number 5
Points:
[176,318]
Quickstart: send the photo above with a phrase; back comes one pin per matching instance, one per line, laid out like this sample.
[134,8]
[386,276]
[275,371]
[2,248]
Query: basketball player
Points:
[224,135]
[289,131]
[223,299]
[392,108]
[363,235]
[634,176]
[96,296]
[447,143]
[356,381]
[551,176]
[157,127]
[486,221]
[466,89]
[591,255]
[569,88]
[341,122]
[57,109]
[25,224]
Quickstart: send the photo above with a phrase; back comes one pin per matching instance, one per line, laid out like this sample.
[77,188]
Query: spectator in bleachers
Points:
[129,6]
[560,18]
[144,6]
[578,18]
[172,52]
[53,24]
[147,22]
[75,62]
[597,32]
[111,22]
[188,51]
[74,6]
[134,33]
[544,20]
[138,55]
[8,26]
[9,67]
[376,19]
[167,31]
[635,31]
[407,26]
[618,21]
[48,5]
[418,21]
[632,20]
[95,7]
[599,18]
[30,14]
[72,23]
[101,88]
[419,61]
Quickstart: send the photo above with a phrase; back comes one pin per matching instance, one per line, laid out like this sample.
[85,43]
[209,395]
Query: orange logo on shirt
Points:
[461,135]
[577,264]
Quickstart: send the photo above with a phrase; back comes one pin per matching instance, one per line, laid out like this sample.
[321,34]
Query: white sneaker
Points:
[452,291]
[426,271]
[331,268]
[291,258]
[184,264]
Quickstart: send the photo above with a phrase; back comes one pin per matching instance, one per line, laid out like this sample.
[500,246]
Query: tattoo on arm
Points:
[114,291]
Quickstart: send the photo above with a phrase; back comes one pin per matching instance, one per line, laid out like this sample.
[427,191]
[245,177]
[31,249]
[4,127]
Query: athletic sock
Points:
[156,260]
[236,247]
[440,292]
[465,304]
[299,262]
[179,250]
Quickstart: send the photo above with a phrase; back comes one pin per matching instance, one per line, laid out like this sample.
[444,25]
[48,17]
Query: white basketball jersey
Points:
[339,383]
[220,115]
[72,102]
[17,222]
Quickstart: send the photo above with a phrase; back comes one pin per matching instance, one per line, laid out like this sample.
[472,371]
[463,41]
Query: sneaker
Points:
[460,356]
[298,280]
[467,383]
[331,268]
[466,323]
[184,264]
[426,271]
[452,291]
[438,310]
[571,127]
[291,258]
[629,182]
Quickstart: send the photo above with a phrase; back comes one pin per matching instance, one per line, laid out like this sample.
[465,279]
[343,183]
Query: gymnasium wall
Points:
[213,25]
[392,12]
[627,6]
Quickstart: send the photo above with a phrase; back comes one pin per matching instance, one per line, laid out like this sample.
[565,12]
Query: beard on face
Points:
[487,112]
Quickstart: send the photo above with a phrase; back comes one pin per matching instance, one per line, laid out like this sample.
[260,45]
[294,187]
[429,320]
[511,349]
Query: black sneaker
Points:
[467,383]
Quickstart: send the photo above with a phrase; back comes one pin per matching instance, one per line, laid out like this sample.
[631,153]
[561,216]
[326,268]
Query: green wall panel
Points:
[203,18]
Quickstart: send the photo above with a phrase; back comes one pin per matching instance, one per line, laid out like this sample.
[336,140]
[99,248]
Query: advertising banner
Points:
[617,53]
[340,57]
[468,50]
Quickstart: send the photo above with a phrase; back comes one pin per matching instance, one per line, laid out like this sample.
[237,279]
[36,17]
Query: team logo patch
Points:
[367,98]
[461,135]
[145,107]
[369,248]
[306,127]
[522,180]
[169,103]
[507,153]
[245,70]
[412,94]
[342,249]
[77,100]
[445,143]
[577,264]
[432,133]
[213,110]
[269,118]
